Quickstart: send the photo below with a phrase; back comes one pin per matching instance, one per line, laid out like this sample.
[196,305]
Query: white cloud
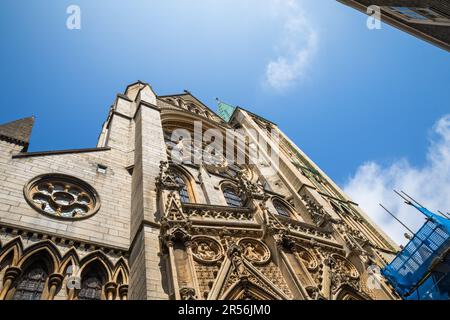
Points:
[296,48]
[429,184]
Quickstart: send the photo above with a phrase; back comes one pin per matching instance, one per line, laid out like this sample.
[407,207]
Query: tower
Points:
[176,203]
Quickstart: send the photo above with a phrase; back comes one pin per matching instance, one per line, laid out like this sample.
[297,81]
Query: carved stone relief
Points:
[255,251]
[206,250]
[343,272]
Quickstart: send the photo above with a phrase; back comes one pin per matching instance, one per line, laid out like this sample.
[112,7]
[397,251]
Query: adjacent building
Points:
[428,20]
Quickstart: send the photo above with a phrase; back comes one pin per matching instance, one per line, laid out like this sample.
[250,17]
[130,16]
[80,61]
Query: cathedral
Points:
[177,203]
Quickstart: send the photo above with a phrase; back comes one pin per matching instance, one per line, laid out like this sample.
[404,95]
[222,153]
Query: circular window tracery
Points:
[62,196]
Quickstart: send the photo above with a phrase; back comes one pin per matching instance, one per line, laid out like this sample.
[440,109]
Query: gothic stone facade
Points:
[125,221]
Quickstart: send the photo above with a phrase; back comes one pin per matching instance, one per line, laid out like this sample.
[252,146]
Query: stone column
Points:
[110,290]
[54,283]
[11,274]
[173,268]
[191,264]
[123,292]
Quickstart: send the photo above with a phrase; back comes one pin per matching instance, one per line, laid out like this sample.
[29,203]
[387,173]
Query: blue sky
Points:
[355,95]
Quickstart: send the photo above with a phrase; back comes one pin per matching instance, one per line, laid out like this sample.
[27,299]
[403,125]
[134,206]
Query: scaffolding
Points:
[421,271]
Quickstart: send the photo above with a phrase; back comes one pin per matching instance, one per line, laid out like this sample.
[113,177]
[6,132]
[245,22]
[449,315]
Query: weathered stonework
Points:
[180,231]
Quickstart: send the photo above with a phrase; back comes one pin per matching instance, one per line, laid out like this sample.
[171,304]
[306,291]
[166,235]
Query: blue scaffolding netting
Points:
[406,273]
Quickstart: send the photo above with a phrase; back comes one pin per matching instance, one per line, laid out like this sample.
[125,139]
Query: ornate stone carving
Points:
[342,272]
[175,234]
[255,251]
[295,226]
[283,241]
[235,255]
[272,224]
[173,210]
[166,179]
[206,250]
[62,196]
[319,216]
[354,239]
[309,259]
[286,231]
[273,273]
[214,212]
[314,293]
[252,190]
[206,275]
[187,293]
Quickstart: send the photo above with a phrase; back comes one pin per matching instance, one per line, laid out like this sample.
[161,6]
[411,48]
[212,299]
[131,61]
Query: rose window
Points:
[62,196]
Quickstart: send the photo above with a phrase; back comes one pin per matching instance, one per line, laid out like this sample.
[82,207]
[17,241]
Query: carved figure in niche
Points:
[239,265]
[255,251]
[307,258]
[252,189]
[342,272]
[187,293]
[251,253]
[205,252]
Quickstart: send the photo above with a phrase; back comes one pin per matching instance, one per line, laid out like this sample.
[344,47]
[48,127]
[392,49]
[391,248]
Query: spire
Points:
[17,131]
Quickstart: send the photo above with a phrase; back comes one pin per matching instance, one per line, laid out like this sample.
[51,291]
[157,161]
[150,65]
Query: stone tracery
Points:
[62,196]
[207,250]
[39,272]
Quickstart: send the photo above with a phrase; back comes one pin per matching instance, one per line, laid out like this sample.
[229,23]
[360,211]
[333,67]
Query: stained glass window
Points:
[184,193]
[282,210]
[420,14]
[409,13]
[32,283]
[62,196]
[91,285]
[232,198]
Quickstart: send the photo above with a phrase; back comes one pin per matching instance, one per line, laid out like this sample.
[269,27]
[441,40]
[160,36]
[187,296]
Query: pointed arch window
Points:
[32,282]
[92,282]
[232,197]
[183,191]
[6,261]
[281,208]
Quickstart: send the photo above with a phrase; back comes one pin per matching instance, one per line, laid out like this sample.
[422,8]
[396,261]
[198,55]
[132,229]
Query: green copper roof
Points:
[225,110]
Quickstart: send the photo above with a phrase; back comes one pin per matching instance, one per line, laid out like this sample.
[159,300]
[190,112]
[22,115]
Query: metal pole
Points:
[393,216]
[446,215]
[422,205]
[408,202]
[403,197]
[412,199]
